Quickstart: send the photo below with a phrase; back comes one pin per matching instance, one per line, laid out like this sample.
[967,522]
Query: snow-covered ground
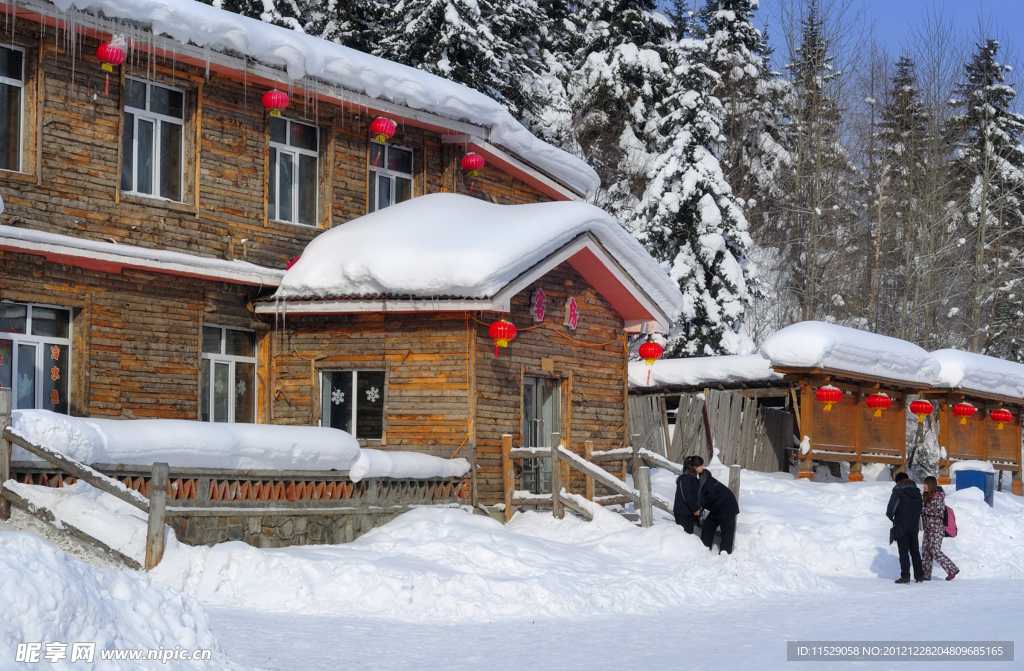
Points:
[811,562]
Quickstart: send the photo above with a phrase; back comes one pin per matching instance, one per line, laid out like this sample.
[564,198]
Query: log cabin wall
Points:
[444,386]
[72,185]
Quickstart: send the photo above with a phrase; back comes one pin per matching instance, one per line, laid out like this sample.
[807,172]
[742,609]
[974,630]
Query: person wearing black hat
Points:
[700,497]
[689,494]
[904,510]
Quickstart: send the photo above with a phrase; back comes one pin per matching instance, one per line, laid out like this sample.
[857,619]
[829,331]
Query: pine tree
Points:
[559,37]
[354,23]
[691,221]
[990,166]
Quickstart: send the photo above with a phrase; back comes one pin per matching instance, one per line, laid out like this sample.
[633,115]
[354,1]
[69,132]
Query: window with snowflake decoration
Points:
[353,401]
[227,375]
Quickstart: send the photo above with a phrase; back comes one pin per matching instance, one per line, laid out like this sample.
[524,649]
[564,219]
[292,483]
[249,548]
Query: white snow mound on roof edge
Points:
[445,244]
[301,55]
[697,371]
[814,344]
[966,370]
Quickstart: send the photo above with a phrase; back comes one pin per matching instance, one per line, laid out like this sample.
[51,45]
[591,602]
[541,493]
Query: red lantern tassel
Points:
[648,377]
[495,350]
[106,86]
[471,188]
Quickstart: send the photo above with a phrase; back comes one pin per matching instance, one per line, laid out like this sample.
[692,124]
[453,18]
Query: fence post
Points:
[157,503]
[588,452]
[734,480]
[508,475]
[5,451]
[637,461]
[556,478]
[643,482]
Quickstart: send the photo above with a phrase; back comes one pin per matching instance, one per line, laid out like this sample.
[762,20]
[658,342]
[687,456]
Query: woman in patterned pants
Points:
[934,529]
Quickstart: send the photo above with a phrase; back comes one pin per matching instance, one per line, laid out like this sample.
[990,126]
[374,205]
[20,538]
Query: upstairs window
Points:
[390,175]
[227,375]
[12,84]
[35,350]
[151,151]
[291,192]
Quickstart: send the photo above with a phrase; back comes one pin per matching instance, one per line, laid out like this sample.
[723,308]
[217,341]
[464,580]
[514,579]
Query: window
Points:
[12,78]
[227,375]
[390,176]
[353,401]
[35,350]
[293,176]
[151,150]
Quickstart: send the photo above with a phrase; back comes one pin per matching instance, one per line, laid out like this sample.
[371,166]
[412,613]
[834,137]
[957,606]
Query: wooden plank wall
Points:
[71,186]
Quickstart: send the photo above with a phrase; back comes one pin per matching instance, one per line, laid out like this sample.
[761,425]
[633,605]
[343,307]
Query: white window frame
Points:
[273,208]
[392,174]
[40,363]
[21,105]
[156,119]
[355,386]
[210,360]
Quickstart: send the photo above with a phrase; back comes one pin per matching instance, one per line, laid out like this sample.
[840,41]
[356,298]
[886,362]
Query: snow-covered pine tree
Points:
[354,23]
[690,220]
[990,167]
[559,37]
[753,152]
[623,71]
[484,44]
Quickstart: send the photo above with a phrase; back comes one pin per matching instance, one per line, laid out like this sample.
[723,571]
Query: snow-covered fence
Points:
[648,419]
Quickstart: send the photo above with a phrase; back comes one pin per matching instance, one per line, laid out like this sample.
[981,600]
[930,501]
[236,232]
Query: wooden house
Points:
[152,209]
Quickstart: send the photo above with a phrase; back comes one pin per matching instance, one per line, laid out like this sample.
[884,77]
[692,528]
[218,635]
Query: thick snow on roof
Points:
[819,345]
[977,372]
[453,246]
[304,55]
[702,370]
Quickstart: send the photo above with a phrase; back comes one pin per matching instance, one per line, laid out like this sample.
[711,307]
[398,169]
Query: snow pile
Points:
[306,56]
[183,443]
[977,372]
[380,464]
[47,597]
[971,465]
[449,245]
[840,348]
[701,371]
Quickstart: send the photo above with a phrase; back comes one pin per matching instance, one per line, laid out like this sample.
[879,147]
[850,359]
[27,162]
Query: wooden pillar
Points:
[5,451]
[157,504]
[734,480]
[806,471]
[508,475]
[588,452]
[856,474]
[944,419]
[1017,487]
[642,477]
[557,508]
[856,467]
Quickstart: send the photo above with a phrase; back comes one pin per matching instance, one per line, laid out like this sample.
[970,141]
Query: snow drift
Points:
[702,370]
[977,372]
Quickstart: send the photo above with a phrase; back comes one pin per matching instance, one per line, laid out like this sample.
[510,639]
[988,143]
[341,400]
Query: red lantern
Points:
[963,411]
[110,54]
[383,129]
[650,352]
[921,408]
[472,164]
[878,403]
[1002,416]
[829,395]
[292,262]
[275,101]
[501,333]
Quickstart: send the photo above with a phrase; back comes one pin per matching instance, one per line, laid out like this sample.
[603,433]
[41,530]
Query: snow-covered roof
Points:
[817,345]
[112,257]
[304,55]
[445,247]
[977,372]
[700,371]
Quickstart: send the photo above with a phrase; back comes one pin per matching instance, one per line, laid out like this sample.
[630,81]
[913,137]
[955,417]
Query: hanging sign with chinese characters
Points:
[572,313]
[537,305]
[54,397]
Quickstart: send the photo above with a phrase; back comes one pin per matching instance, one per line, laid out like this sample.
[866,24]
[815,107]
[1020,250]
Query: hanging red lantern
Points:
[878,403]
[1002,416]
[829,395]
[501,333]
[473,164]
[110,54]
[963,411]
[650,352]
[383,129]
[921,408]
[275,101]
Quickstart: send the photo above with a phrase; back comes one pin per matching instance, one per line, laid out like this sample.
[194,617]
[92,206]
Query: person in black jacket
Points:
[689,493]
[905,512]
[722,509]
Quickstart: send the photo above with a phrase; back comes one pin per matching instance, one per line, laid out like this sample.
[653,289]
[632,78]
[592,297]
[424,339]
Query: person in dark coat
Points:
[689,493]
[722,509]
[904,510]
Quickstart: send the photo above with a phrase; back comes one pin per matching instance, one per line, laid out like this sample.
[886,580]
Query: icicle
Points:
[206,55]
[245,83]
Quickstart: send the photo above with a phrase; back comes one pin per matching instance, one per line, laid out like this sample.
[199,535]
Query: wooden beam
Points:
[508,475]
[199,139]
[157,505]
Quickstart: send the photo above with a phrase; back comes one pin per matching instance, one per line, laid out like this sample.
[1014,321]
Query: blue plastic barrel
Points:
[983,480]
